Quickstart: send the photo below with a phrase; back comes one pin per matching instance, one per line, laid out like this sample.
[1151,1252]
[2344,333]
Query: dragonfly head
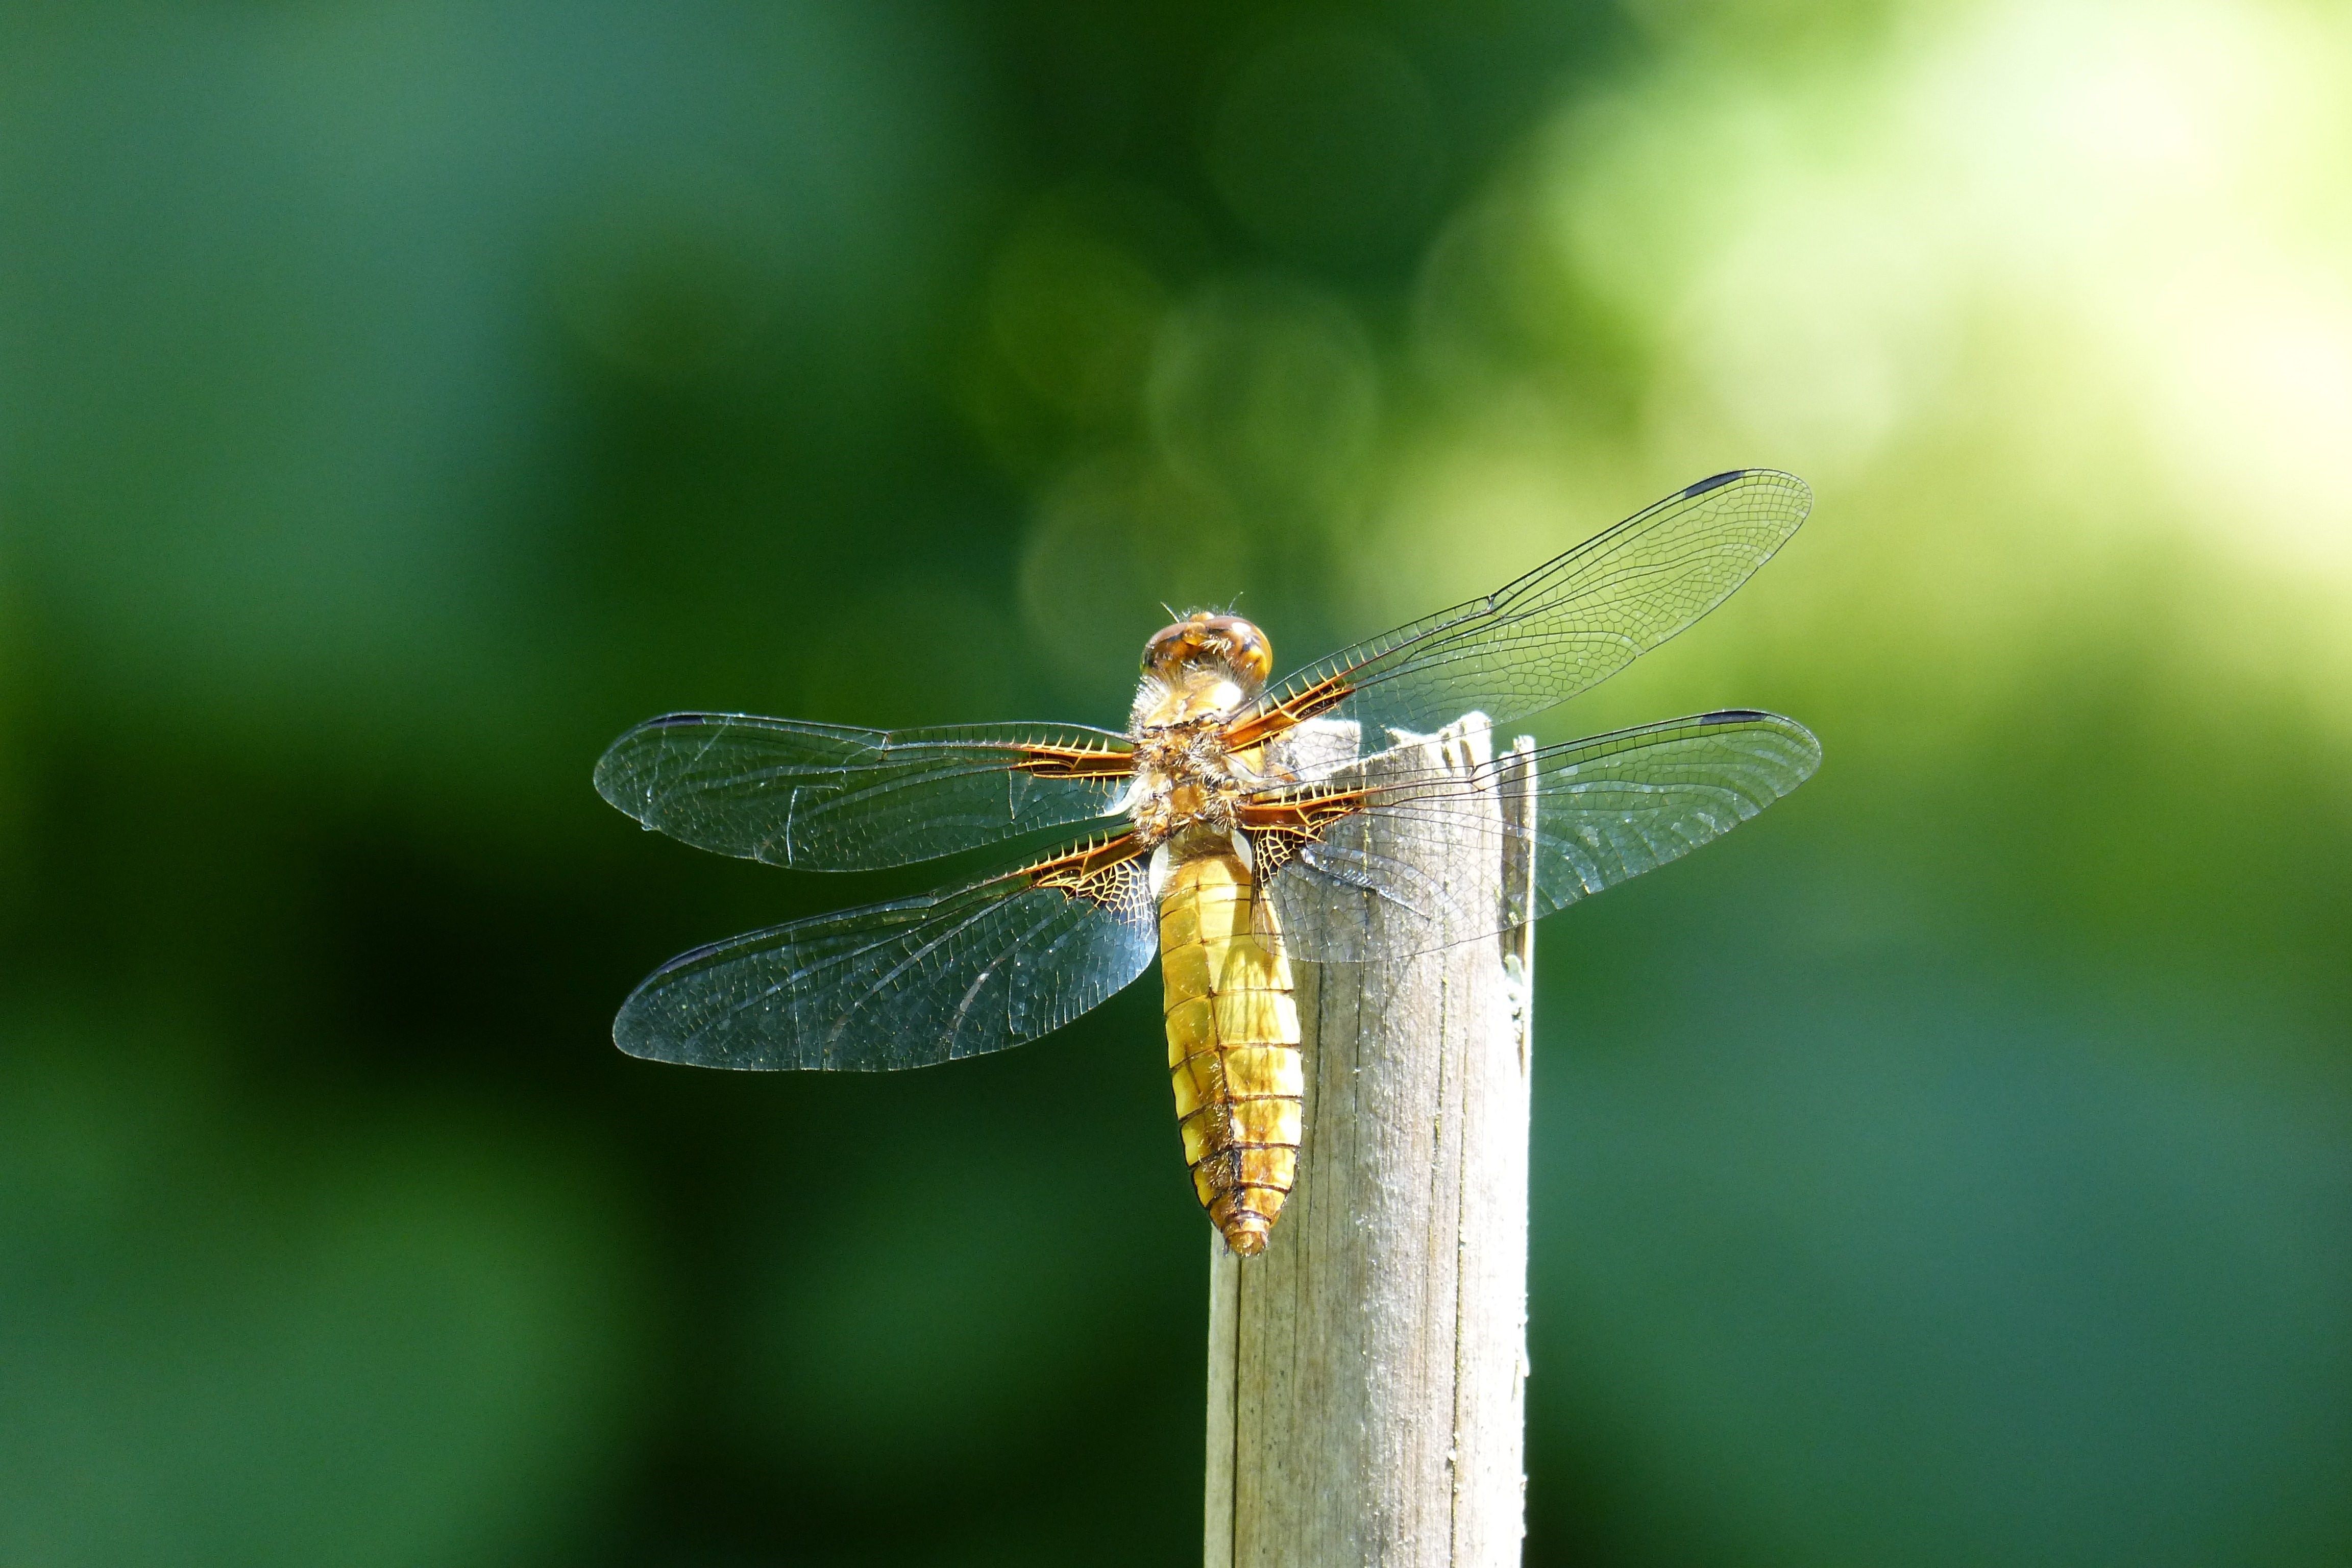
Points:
[1227,647]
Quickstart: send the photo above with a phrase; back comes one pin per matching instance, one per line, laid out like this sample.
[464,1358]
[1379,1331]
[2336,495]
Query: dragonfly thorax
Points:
[1183,777]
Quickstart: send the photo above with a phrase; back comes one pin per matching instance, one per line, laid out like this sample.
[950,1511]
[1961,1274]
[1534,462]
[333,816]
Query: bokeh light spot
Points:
[1268,391]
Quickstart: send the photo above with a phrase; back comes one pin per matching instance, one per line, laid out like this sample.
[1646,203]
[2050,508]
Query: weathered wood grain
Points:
[1366,1374]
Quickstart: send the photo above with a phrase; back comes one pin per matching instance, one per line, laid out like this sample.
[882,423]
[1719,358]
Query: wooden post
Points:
[1367,1374]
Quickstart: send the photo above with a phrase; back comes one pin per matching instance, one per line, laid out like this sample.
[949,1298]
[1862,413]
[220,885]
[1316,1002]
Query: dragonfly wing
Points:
[827,797]
[1564,628]
[907,983]
[1366,862]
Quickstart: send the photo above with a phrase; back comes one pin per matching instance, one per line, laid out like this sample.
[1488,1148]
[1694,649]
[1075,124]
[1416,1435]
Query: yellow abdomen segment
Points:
[1232,1045]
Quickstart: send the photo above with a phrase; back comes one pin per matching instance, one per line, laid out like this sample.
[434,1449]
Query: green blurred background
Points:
[397,401]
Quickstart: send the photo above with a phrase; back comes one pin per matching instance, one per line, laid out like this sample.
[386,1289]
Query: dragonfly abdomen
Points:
[1233,1044]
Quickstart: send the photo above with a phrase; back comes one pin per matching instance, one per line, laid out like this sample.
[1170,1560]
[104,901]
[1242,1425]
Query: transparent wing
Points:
[826,797]
[1381,875]
[1565,627]
[908,983]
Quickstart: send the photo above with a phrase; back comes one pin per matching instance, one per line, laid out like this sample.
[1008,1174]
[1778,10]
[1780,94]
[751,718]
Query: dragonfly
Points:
[1238,823]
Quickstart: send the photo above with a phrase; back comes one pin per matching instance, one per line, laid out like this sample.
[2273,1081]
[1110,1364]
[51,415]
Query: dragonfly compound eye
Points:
[1228,642]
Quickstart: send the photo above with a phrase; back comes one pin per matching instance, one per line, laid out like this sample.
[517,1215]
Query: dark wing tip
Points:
[1808,745]
[1800,492]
